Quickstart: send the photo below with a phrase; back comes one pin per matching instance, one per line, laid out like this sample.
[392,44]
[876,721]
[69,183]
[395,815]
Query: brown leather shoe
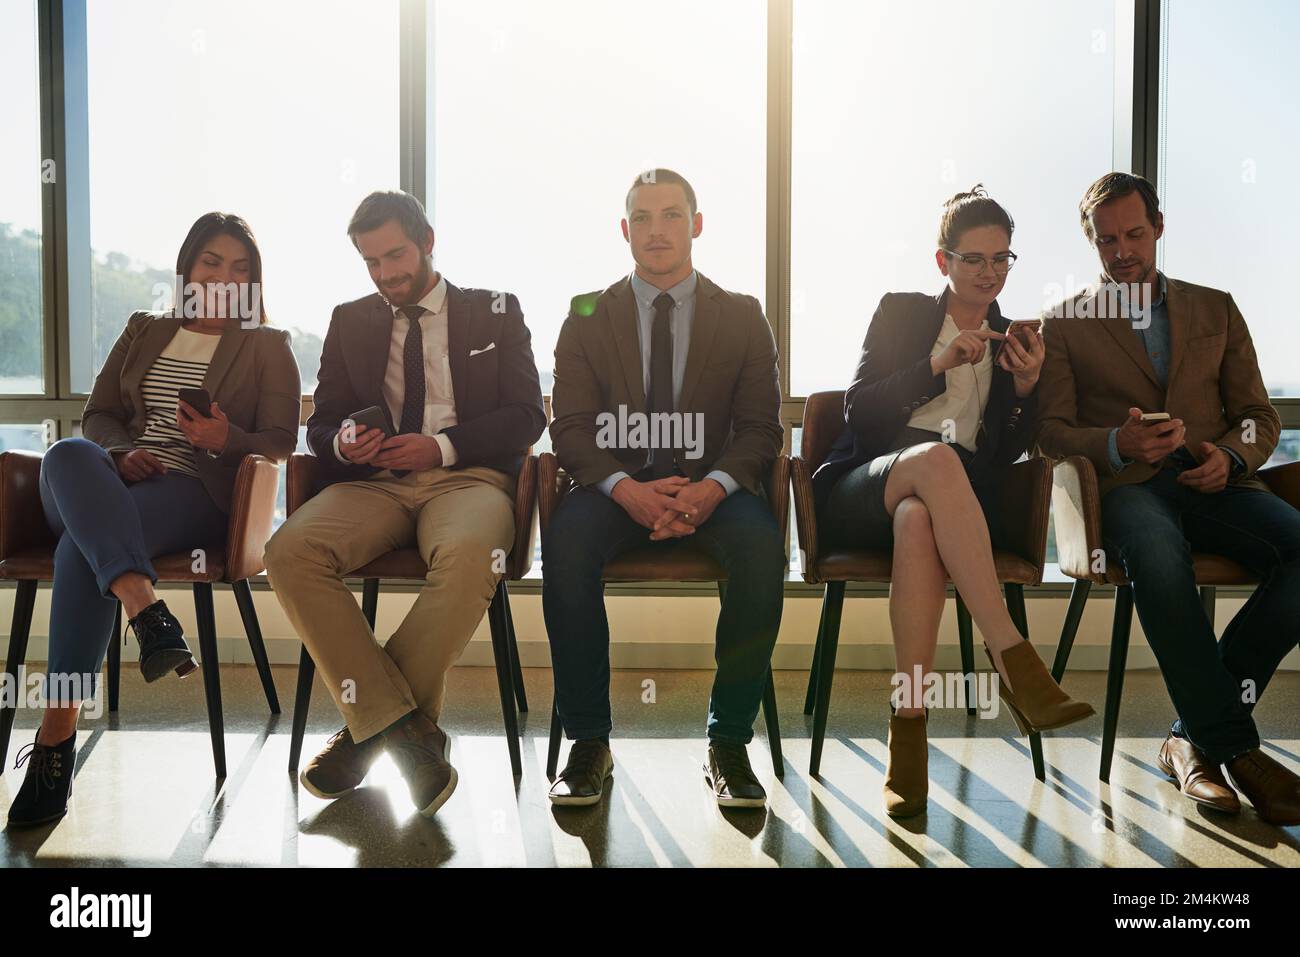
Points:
[421,750]
[1197,778]
[1272,789]
[1038,702]
[341,765]
[907,776]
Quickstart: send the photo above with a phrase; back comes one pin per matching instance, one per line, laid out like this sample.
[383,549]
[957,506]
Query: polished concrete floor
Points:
[145,793]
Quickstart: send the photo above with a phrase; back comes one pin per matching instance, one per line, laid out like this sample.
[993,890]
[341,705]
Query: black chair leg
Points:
[516,670]
[19,632]
[773,727]
[966,639]
[810,699]
[248,612]
[211,672]
[301,705]
[1016,607]
[553,743]
[1207,602]
[826,672]
[1115,675]
[115,662]
[1073,615]
[370,600]
[505,680]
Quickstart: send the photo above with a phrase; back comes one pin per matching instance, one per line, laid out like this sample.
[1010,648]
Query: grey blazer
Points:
[253,376]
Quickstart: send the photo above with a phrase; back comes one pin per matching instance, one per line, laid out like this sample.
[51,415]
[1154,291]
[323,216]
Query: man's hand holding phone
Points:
[1151,440]
[364,444]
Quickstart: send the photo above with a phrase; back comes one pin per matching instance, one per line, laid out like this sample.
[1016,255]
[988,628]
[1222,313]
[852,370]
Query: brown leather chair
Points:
[1026,495]
[405,564]
[27,557]
[646,564]
[1076,504]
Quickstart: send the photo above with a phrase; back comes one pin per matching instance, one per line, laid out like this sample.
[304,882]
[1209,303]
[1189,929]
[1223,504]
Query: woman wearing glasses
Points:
[943,401]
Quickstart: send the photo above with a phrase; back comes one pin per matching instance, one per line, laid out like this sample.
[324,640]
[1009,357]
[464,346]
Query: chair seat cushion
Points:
[38,564]
[876,566]
[402,563]
[1213,570]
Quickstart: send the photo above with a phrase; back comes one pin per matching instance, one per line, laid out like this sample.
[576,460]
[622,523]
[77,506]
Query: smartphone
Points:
[1155,417]
[1019,328]
[198,400]
[372,418]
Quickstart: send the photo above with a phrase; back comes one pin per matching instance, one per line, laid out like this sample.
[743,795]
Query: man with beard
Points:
[1141,342]
[452,374]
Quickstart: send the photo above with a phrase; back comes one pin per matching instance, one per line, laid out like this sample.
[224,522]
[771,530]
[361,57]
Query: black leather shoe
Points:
[728,772]
[45,790]
[583,779]
[162,643]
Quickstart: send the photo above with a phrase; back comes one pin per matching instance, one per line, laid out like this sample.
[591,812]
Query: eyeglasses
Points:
[975,264]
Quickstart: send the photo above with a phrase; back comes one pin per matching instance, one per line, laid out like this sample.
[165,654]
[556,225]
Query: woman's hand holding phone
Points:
[208,433]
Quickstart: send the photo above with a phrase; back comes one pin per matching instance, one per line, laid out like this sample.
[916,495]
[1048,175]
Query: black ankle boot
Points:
[162,643]
[44,794]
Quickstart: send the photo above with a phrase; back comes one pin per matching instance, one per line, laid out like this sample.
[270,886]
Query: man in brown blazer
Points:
[666,410]
[1140,342]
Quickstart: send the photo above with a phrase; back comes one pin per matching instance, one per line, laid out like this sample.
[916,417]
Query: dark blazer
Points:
[252,376]
[730,378]
[893,380]
[499,411]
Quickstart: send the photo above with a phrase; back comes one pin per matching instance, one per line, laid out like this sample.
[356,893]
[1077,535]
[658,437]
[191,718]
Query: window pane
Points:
[1227,185]
[568,103]
[20,204]
[897,107]
[285,113]
[28,437]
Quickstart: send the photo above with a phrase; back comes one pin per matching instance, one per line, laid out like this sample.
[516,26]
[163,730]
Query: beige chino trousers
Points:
[462,522]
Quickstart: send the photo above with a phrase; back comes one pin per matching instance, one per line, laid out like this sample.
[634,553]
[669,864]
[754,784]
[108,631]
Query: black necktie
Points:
[412,376]
[660,398]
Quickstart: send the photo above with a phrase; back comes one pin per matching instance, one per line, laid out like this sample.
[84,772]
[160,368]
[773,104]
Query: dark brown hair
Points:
[971,210]
[205,228]
[658,177]
[384,206]
[1113,186]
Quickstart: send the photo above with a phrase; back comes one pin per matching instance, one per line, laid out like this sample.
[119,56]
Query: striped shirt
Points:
[182,365]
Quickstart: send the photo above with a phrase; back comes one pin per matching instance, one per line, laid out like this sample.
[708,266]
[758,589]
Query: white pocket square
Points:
[476,352]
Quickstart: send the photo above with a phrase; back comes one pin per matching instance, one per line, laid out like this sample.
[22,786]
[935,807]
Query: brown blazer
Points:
[1097,367]
[253,376]
[731,377]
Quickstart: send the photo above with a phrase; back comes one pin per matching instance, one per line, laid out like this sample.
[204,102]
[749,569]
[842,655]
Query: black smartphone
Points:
[198,400]
[372,418]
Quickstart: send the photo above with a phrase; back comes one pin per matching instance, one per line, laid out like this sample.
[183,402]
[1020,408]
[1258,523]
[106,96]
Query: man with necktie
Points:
[655,354]
[452,373]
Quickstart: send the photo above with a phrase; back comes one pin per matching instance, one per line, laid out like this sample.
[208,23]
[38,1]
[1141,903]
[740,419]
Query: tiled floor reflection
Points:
[145,793]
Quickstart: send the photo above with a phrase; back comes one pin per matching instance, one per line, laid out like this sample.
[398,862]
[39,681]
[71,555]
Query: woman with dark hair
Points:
[154,475]
[932,421]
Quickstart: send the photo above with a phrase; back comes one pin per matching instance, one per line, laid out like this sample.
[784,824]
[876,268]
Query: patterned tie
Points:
[412,376]
[660,398]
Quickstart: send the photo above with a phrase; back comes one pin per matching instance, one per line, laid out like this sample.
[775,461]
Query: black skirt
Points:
[855,514]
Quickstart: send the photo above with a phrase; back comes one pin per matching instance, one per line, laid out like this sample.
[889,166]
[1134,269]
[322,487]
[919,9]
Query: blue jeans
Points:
[1152,528]
[589,529]
[106,529]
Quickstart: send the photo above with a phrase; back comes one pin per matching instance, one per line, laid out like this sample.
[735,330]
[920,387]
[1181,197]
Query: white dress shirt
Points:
[439,399]
[965,397]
